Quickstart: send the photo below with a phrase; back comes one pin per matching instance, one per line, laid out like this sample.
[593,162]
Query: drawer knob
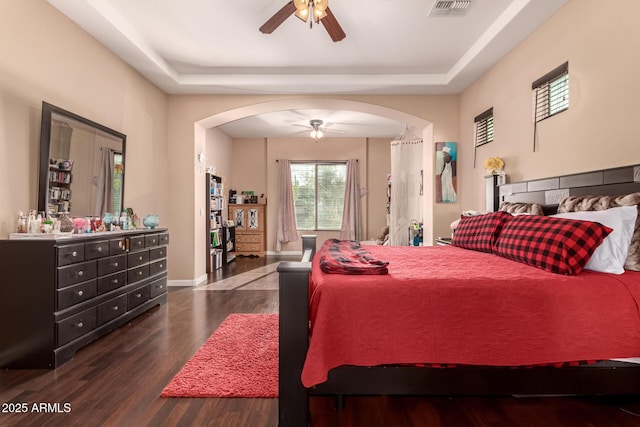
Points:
[80,293]
[160,265]
[99,248]
[140,273]
[74,253]
[80,273]
[140,258]
[161,253]
[115,264]
[115,281]
[115,308]
[79,324]
[138,295]
[139,242]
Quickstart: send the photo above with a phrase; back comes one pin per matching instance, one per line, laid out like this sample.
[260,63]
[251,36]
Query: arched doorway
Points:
[421,127]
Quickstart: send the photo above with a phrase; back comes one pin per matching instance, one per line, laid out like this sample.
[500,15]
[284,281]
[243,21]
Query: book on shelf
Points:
[215,238]
[216,188]
[217,203]
[216,256]
[216,221]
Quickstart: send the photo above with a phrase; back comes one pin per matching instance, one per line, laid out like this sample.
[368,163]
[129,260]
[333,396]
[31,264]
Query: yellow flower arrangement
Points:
[493,164]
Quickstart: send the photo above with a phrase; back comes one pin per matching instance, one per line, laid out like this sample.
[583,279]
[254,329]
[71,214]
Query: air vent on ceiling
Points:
[450,8]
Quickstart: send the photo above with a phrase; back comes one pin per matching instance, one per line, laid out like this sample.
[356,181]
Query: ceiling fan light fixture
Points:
[316,133]
[318,14]
[302,14]
[301,4]
[321,4]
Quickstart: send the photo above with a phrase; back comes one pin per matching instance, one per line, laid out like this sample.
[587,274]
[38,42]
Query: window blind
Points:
[484,127]
[551,94]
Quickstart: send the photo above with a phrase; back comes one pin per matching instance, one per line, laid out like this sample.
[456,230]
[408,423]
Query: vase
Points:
[151,221]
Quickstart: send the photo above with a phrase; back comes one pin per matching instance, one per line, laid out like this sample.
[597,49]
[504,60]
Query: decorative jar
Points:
[151,221]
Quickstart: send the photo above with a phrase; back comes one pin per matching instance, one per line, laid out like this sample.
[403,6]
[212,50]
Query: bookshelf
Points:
[216,234]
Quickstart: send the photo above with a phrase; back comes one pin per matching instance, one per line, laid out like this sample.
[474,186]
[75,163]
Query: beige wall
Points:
[597,131]
[44,56]
[249,165]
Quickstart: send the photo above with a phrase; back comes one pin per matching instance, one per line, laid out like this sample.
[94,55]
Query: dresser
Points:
[250,228]
[58,295]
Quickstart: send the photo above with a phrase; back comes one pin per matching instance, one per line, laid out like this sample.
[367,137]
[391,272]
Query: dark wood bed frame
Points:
[607,377]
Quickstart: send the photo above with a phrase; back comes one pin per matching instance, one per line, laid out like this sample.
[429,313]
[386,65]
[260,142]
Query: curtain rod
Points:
[318,161]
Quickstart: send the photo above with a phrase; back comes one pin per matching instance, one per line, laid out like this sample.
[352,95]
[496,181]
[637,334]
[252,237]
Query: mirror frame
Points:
[48,110]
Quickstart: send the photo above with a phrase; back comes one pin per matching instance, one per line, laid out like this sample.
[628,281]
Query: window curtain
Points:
[104,184]
[286,221]
[406,187]
[351,213]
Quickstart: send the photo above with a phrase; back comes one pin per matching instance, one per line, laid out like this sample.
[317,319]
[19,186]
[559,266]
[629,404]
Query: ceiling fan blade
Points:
[278,18]
[331,25]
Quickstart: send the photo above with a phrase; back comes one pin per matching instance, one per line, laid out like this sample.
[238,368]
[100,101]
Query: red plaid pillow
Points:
[557,245]
[480,232]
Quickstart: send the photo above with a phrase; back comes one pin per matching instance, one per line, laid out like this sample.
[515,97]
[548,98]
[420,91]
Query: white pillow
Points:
[610,256]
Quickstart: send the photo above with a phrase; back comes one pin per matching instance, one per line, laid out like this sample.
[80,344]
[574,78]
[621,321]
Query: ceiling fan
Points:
[318,10]
[317,129]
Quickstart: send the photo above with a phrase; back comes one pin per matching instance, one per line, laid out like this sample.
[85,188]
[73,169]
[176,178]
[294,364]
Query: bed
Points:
[472,323]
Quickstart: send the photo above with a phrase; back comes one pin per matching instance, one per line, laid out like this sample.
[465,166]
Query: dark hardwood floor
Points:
[117,380]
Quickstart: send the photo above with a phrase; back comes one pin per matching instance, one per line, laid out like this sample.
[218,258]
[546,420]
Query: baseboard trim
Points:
[190,283]
[284,253]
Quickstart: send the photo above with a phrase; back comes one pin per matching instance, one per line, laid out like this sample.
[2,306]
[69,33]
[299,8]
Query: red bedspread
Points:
[451,305]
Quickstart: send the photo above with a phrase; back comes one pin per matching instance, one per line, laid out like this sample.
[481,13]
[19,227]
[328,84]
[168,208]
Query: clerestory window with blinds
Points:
[551,93]
[484,127]
[318,194]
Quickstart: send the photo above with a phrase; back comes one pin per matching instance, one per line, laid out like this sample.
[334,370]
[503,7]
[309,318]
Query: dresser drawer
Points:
[117,246]
[112,264]
[75,326]
[95,250]
[157,253]
[70,254]
[248,247]
[137,274]
[163,238]
[157,267]
[249,238]
[151,240]
[157,287]
[137,297]
[77,273]
[136,243]
[111,309]
[76,294]
[135,259]
[111,282]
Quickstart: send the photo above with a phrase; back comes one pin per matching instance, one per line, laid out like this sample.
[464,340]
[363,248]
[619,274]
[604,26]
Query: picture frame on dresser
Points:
[59,295]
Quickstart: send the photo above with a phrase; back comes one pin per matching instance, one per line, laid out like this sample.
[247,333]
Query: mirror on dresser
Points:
[81,165]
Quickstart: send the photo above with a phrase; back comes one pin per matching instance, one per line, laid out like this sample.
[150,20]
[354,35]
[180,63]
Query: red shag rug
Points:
[240,359]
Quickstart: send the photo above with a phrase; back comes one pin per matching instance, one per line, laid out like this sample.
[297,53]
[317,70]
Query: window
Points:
[318,194]
[551,93]
[484,127]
